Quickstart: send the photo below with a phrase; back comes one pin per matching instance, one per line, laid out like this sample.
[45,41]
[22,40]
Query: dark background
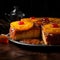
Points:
[32,7]
[38,8]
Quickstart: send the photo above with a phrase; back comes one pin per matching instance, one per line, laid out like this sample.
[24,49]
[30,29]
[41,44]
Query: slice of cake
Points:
[51,34]
[24,30]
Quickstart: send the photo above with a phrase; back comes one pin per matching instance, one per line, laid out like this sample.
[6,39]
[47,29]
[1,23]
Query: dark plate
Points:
[40,47]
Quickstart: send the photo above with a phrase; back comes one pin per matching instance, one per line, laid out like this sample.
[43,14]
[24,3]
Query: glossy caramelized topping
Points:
[45,20]
[54,25]
[52,28]
[31,19]
[26,19]
[20,25]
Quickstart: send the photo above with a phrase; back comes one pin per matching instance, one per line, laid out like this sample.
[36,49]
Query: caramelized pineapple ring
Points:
[20,25]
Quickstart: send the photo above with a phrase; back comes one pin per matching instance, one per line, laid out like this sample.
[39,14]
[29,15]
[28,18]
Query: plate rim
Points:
[40,45]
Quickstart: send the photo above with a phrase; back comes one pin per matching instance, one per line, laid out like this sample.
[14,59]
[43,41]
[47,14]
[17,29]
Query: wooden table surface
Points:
[13,52]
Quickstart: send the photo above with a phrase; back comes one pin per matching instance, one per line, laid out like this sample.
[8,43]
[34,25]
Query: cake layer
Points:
[32,33]
[51,39]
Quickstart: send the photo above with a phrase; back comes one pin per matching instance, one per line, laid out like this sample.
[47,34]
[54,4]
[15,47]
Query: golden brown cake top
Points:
[55,20]
[21,25]
[36,21]
[52,28]
[46,20]
[31,19]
